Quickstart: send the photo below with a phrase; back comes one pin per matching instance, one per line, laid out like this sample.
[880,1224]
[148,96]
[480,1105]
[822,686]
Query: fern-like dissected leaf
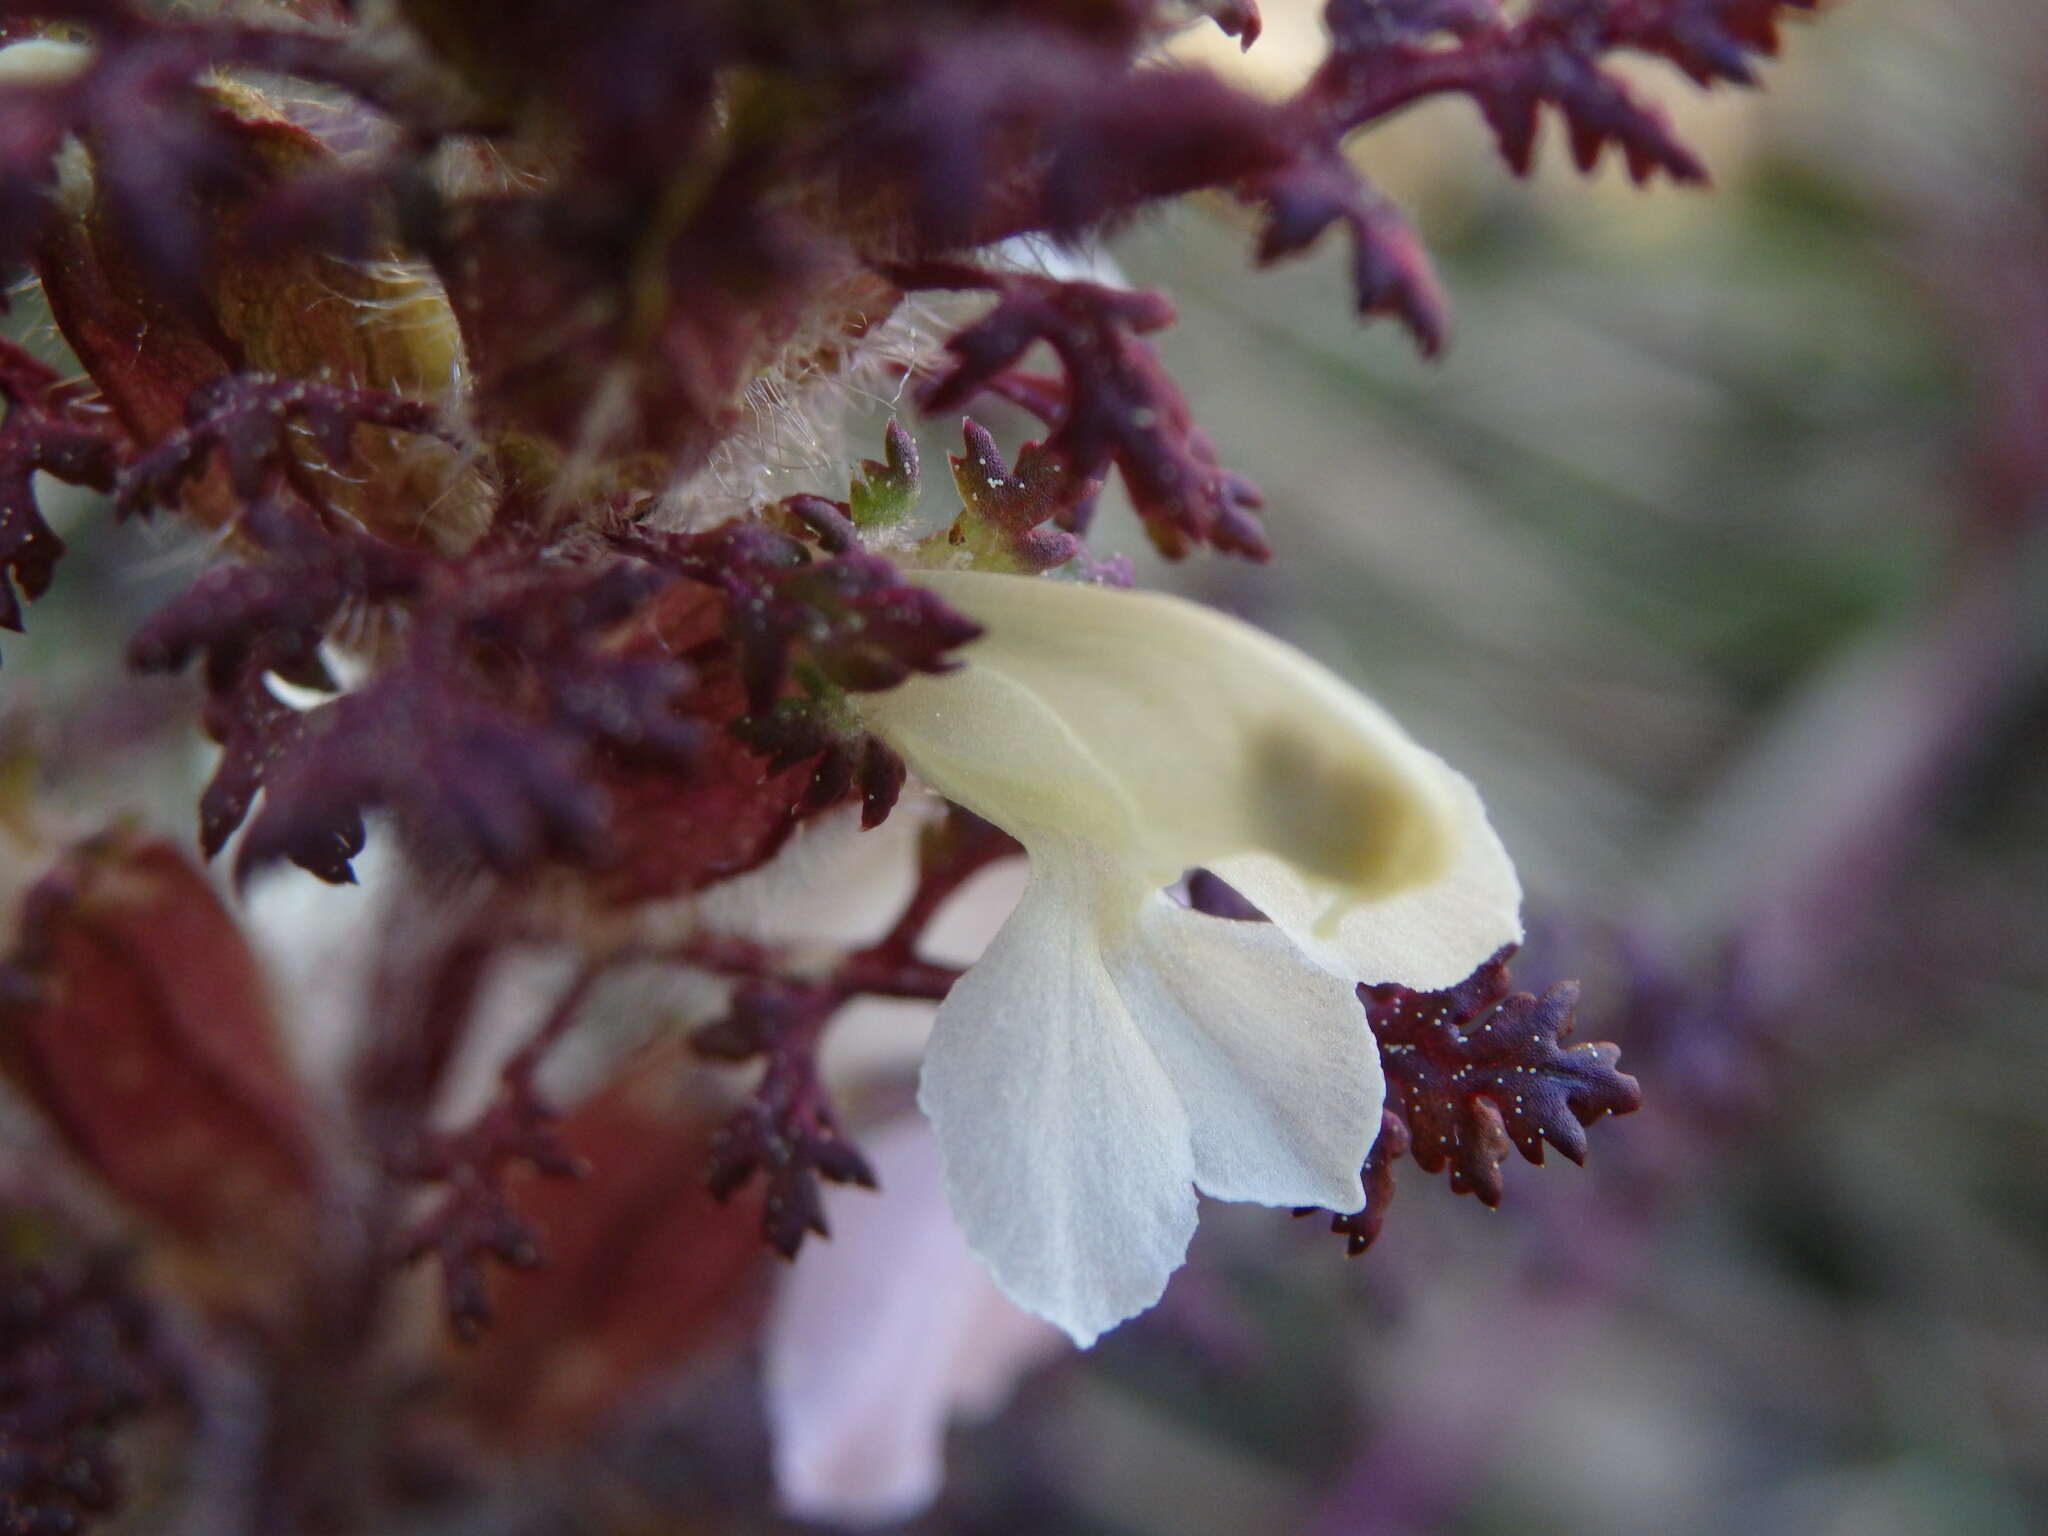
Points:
[850,618]
[1008,514]
[1388,53]
[997,129]
[1391,273]
[1119,406]
[786,1133]
[1473,1072]
[478,735]
[479,738]
[1477,1070]
[249,419]
[46,431]
[273,613]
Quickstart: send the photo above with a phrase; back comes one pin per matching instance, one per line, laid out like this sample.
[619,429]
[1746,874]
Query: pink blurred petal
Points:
[880,1337]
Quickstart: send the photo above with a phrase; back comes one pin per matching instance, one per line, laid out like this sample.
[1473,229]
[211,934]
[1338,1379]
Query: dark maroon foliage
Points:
[503,676]
[124,953]
[851,617]
[1711,40]
[272,615]
[794,732]
[1472,1072]
[1390,271]
[1017,504]
[1363,1226]
[641,1269]
[468,777]
[936,129]
[256,731]
[1389,53]
[77,1361]
[1118,406]
[249,420]
[476,735]
[1475,1072]
[1004,129]
[476,1219]
[786,1133]
[46,430]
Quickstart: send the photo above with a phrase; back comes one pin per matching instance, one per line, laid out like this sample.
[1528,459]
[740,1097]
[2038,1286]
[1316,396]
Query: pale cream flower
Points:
[1113,1050]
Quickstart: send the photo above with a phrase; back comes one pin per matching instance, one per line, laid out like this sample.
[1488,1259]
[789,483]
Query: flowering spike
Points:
[647,248]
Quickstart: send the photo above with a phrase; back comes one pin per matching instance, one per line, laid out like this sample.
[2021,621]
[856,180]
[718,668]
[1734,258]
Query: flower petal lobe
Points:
[1067,1152]
[1269,1055]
